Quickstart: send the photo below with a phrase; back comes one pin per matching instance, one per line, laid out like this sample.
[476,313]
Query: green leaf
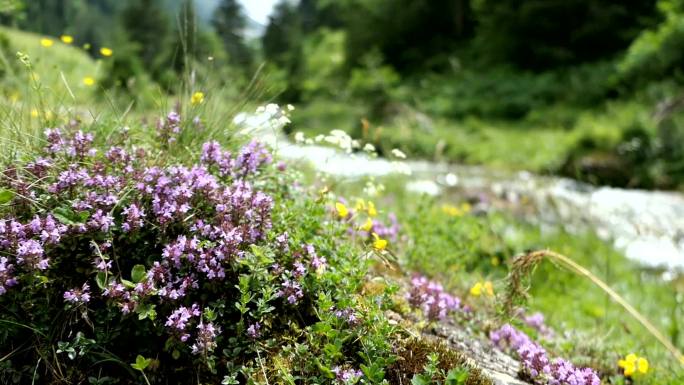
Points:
[138,273]
[101,280]
[68,216]
[146,311]
[6,196]
[457,376]
[141,363]
[128,283]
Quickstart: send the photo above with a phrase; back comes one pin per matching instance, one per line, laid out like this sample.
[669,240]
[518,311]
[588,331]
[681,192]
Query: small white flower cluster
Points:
[337,138]
[346,143]
[270,118]
[373,188]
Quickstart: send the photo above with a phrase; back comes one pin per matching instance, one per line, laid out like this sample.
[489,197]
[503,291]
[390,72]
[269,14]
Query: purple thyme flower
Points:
[251,157]
[30,252]
[347,376]
[291,290]
[254,330]
[431,298]
[6,278]
[206,338]
[535,362]
[133,217]
[348,315]
[180,317]
[77,295]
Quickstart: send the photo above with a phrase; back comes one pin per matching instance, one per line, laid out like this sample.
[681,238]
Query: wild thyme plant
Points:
[220,269]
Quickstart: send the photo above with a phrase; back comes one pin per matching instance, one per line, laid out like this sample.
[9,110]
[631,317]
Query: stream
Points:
[647,226]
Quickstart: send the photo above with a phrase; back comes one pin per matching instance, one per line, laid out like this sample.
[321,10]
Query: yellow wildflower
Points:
[489,288]
[360,205]
[45,42]
[367,226]
[482,287]
[104,51]
[379,243]
[88,81]
[34,113]
[455,211]
[342,210]
[632,364]
[476,290]
[66,39]
[451,210]
[642,365]
[371,209]
[197,98]
[49,115]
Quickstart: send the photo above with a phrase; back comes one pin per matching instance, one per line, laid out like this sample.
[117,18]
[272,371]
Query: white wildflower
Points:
[398,153]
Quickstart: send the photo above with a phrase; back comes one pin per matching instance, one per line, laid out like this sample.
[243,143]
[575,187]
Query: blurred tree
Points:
[282,45]
[541,34]
[657,52]
[11,11]
[408,33]
[230,22]
[151,38]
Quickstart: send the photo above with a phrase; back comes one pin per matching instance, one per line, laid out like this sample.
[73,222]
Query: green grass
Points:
[539,142]
[462,250]
[60,64]
[590,328]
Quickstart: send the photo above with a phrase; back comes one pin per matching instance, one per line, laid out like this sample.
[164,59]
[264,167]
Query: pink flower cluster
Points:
[78,295]
[27,244]
[535,362]
[346,376]
[431,298]
[199,219]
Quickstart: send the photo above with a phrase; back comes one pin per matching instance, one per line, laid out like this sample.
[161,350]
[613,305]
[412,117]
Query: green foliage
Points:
[459,250]
[229,22]
[543,34]
[657,51]
[305,334]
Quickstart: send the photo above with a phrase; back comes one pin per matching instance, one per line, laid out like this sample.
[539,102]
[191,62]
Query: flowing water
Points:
[647,226]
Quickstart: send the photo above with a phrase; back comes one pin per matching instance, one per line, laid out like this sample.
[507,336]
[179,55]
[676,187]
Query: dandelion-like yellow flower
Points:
[489,288]
[45,42]
[66,39]
[197,98]
[379,243]
[88,81]
[455,211]
[367,226]
[371,209]
[360,205]
[476,290]
[107,52]
[341,209]
[34,112]
[632,364]
[482,287]
[452,211]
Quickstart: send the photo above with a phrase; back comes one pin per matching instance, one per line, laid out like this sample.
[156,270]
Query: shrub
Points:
[198,271]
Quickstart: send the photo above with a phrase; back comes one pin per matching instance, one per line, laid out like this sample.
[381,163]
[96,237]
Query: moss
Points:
[412,355]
